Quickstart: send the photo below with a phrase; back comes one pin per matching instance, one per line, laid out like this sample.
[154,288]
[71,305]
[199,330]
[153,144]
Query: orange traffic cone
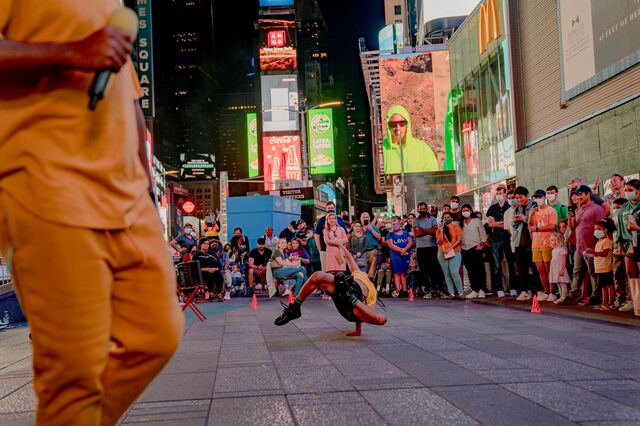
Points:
[291,300]
[535,306]
[411,296]
[254,302]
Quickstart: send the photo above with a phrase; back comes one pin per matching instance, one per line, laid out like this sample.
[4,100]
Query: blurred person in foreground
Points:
[80,175]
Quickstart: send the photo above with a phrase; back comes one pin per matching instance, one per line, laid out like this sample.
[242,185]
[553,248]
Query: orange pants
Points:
[102,309]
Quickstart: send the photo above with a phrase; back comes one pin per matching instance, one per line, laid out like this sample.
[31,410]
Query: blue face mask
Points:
[397,228]
[630,195]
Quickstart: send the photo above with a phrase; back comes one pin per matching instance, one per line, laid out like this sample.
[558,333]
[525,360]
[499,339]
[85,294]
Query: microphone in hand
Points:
[122,20]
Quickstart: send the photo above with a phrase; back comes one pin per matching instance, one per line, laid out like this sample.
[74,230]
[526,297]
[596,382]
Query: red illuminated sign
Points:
[188,207]
[277,38]
[281,159]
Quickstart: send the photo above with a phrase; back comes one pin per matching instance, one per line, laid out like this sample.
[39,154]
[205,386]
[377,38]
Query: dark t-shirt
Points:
[288,234]
[260,259]
[497,213]
[456,215]
[186,241]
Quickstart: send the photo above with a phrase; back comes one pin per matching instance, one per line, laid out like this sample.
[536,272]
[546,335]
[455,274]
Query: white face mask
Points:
[539,201]
[552,197]
[466,214]
[598,234]
[454,205]
[513,202]
[630,195]
[500,198]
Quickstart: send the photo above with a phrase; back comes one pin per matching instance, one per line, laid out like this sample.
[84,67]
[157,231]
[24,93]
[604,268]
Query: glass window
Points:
[397,9]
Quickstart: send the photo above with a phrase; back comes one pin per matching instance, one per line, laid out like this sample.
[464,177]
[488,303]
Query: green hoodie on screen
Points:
[417,155]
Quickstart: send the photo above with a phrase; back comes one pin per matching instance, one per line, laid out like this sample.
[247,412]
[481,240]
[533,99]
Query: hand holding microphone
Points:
[105,51]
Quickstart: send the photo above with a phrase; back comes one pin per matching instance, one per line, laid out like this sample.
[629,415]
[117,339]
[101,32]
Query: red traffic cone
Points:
[535,306]
[411,296]
[254,302]
[291,300]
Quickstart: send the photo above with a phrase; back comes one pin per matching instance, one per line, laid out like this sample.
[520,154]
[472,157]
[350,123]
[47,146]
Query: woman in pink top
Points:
[334,236]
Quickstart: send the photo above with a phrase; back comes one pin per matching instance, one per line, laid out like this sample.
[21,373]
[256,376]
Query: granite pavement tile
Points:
[250,411]
[416,407]
[172,387]
[314,379]
[575,403]
[442,373]
[192,363]
[237,379]
[22,400]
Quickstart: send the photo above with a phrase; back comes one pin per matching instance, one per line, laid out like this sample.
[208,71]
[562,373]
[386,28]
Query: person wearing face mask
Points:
[583,221]
[473,241]
[627,221]
[501,242]
[552,199]
[454,204]
[619,251]
[185,242]
[270,240]
[373,237]
[543,222]
[424,230]
[318,233]
[449,237]
[521,240]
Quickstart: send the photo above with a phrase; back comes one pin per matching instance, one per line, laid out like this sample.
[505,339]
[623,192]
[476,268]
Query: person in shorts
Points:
[542,224]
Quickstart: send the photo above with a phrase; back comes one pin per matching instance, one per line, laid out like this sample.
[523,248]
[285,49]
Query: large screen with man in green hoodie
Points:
[414,89]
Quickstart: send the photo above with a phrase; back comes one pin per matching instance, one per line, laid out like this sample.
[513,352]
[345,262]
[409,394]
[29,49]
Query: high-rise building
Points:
[313,52]
[230,122]
[184,63]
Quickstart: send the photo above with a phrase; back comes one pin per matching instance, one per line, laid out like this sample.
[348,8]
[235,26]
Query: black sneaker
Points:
[290,313]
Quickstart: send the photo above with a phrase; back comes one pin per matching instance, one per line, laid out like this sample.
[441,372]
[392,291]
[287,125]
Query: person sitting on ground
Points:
[354,296]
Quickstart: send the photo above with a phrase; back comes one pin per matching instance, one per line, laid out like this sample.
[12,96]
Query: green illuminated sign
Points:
[252,141]
[321,152]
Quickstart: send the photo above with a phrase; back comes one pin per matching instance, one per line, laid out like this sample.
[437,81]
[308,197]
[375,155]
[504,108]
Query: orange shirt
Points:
[60,160]
[543,217]
[455,232]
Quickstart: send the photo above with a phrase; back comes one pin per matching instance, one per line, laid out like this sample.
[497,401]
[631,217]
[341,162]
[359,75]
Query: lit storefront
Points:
[481,103]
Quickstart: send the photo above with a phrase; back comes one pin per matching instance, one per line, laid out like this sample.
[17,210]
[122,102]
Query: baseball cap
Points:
[293,223]
[582,189]
[300,221]
[540,193]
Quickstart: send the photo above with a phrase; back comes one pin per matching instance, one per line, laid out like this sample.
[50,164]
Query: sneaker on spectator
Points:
[427,296]
[551,298]
[287,291]
[542,296]
[513,293]
[616,304]
[481,294]
[500,294]
[523,296]
[472,295]
[626,307]
[560,301]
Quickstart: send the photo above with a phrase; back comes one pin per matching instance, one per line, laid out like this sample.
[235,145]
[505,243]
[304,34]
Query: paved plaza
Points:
[435,362]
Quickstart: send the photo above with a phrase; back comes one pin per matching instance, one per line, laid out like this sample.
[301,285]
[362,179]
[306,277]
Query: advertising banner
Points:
[277,45]
[280,159]
[144,58]
[197,166]
[414,90]
[279,103]
[252,144]
[598,39]
[321,152]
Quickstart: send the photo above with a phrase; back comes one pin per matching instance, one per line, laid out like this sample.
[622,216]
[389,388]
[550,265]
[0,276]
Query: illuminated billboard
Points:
[279,103]
[280,159]
[414,90]
[197,166]
[598,40]
[277,45]
[252,144]
[321,143]
[269,3]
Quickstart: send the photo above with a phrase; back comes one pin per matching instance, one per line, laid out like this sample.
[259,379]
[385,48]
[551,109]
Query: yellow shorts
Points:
[542,254]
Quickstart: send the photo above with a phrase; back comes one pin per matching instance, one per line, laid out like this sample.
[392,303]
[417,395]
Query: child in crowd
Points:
[414,272]
[237,280]
[399,242]
[603,262]
[568,243]
[558,272]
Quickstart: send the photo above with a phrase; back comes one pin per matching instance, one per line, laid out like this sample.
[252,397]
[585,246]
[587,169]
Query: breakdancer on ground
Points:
[354,296]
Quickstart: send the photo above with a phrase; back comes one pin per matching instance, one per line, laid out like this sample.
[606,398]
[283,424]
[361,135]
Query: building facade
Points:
[578,121]
[481,102]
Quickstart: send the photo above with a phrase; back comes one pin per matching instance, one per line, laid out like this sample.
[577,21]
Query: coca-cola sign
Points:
[281,159]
